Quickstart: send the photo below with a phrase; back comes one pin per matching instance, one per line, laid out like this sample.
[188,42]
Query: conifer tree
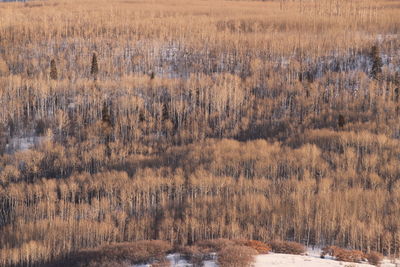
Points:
[106,119]
[376,62]
[95,67]
[105,114]
[53,70]
[341,121]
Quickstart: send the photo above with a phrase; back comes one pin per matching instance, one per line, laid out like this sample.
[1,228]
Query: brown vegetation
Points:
[254,120]
[260,247]
[121,254]
[236,256]
[341,254]
[287,247]
[374,258]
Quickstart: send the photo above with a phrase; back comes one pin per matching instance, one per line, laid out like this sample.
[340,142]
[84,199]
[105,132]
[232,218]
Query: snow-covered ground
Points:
[177,261]
[24,143]
[312,259]
[286,260]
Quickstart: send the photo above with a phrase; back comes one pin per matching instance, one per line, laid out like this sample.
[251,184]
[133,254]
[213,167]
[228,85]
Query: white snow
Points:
[312,259]
[286,260]
[177,261]
[24,143]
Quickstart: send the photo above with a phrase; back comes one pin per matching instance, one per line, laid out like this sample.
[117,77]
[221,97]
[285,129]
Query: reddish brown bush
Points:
[261,247]
[349,255]
[344,255]
[215,245]
[374,258]
[341,254]
[236,256]
[287,247]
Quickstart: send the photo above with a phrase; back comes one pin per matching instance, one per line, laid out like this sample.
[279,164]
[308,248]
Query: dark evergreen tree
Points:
[53,70]
[105,114]
[95,67]
[341,121]
[106,119]
[142,118]
[376,62]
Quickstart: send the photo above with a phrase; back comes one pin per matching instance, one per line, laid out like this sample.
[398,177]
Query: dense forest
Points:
[188,120]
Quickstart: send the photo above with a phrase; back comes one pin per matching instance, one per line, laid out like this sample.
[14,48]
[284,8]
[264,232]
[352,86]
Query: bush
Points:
[261,247]
[287,247]
[349,255]
[236,256]
[138,252]
[374,258]
[341,254]
[215,245]
[120,255]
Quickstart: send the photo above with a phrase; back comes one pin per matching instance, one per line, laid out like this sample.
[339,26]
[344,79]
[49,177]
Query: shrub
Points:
[287,247]
[374,258]
[236,256]
[120,255]
[138,252]
[215,245]
[341,254]
[261,247]
[349,255]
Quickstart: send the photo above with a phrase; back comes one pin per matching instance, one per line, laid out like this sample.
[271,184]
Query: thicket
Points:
[121,254]
[236,256]
[341,254]
[374,258]
[279,121]
[287,247]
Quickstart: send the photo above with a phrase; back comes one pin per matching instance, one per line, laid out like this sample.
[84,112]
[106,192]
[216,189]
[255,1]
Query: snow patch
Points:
[311,259]
[24,143]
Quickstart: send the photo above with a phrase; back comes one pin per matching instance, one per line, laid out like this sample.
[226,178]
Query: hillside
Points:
[191,120]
